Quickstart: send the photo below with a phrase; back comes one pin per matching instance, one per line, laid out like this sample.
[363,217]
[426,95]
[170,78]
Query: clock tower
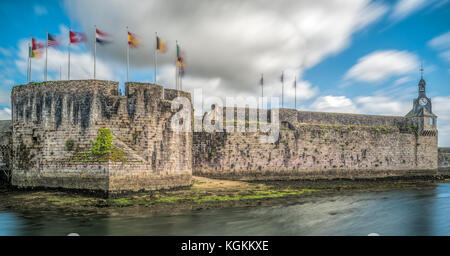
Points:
[422,113]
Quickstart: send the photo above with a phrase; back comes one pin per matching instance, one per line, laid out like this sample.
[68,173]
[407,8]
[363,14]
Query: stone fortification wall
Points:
[444,159]
[47,115]
[319,145]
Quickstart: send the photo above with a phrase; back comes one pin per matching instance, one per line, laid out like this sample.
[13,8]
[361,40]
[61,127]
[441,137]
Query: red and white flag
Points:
[76,37]
[36,45]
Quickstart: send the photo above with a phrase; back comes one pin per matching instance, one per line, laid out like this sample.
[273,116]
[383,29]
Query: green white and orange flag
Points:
[180,61]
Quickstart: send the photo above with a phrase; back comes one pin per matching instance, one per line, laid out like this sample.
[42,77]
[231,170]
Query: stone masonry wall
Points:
[46,115]
[444,159]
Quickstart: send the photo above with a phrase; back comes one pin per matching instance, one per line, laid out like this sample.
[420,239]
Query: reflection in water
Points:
[400,212]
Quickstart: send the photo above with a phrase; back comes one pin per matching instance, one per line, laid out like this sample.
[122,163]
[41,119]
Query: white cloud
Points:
[337,104]
[402,80]
[5,52]
[380,65]
[40,10]
[441,41]
[382,105]
[404,8]
[5,97]
[445,55]
[5,114]
[379,105]
[230,42]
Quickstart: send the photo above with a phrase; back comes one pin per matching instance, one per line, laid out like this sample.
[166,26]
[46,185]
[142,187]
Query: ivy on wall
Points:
[103,144]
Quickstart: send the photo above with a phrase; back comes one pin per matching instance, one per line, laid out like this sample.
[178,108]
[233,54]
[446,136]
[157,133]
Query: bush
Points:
[69,144]
[103,144]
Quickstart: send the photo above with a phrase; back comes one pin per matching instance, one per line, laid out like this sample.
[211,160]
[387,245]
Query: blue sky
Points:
[363,57]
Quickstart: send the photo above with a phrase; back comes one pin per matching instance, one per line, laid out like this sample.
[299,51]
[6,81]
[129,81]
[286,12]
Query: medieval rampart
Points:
[444,159]
[319,145]
[55,122]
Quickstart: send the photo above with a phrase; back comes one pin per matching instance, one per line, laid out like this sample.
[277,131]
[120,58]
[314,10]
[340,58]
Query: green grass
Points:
[258,194]
[191,196]
[119,202]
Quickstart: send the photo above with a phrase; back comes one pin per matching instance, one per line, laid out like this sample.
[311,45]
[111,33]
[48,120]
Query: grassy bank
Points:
[203,191]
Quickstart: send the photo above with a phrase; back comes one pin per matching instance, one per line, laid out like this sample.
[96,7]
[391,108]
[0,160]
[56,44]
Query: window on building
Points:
[431,121]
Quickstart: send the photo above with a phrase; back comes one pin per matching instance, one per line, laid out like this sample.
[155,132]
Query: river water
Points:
[396,212]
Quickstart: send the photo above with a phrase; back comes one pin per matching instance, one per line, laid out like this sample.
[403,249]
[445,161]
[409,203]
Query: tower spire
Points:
[421,70]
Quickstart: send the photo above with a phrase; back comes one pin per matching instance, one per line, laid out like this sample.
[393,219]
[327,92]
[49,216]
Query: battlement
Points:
[310,117]
[52,100]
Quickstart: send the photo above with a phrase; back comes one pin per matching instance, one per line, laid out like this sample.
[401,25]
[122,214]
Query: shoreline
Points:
[205,193]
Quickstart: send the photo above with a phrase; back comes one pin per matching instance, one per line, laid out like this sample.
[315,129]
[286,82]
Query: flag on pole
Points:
[180,60]
[160,45]
[36,45]
[32,53]
[52,40]
[76,37]
[34,49]
[133,40]
[180,66]
[102,37]
[282,77]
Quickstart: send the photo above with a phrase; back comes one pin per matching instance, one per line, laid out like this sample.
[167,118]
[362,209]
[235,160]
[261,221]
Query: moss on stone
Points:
[115,155]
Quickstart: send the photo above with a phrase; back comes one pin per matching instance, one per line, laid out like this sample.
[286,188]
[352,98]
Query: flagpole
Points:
[282,89]
[28,63]
[181,81]
[295,86]
[68,63]
[128,57]
[60,76]
[46,57]
[176,65]
[262,85]
[95,47]
[31,36]
[156,60]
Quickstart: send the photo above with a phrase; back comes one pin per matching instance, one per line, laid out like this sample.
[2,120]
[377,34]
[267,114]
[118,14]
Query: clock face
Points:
[423,101]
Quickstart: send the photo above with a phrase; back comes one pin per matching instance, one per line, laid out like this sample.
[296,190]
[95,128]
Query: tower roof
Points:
[422,81]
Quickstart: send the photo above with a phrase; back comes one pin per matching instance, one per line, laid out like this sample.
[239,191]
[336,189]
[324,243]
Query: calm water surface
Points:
[398,212]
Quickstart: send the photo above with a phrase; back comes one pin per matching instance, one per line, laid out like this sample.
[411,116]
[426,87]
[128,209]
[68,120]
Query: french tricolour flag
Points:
[102,37]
